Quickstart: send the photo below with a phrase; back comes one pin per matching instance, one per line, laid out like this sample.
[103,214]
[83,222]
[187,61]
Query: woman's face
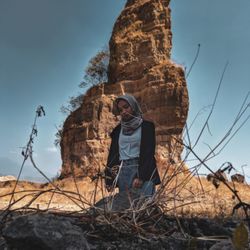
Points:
[125,110]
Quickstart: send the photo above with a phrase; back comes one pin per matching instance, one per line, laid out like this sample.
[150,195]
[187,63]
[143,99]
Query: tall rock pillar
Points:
[140,64]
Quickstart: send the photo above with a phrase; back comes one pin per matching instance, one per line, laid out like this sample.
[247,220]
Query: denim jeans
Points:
[128,172]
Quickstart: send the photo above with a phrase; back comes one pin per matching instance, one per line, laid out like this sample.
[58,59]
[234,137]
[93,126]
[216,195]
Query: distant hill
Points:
[29,173]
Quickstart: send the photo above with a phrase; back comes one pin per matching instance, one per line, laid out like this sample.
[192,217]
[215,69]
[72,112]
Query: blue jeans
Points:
[128,173]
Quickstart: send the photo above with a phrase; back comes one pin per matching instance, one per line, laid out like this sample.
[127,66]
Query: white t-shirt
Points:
[129,145]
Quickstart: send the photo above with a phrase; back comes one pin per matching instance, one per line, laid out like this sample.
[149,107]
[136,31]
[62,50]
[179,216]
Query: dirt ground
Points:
[183,195]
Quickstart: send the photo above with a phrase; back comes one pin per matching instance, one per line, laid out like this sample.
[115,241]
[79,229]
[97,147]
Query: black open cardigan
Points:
[147,163]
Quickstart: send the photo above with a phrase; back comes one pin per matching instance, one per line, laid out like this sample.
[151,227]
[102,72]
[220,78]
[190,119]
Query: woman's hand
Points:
[137,183]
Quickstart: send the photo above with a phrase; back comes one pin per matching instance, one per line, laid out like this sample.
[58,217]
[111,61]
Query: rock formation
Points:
[140,64]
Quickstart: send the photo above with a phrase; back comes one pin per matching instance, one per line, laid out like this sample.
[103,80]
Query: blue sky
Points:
[45,46]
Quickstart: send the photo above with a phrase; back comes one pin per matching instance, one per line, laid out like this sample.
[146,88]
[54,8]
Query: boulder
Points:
[44,232]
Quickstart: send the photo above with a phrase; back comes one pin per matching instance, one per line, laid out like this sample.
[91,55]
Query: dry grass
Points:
[197,197]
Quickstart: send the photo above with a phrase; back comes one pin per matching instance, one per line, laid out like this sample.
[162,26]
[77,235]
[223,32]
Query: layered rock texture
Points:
[140,64]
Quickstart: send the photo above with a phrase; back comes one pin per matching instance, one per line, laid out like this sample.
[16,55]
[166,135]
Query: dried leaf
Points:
[192,244]
[240,237]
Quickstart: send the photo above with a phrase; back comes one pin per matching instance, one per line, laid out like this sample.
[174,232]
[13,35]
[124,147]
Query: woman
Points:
[132,148]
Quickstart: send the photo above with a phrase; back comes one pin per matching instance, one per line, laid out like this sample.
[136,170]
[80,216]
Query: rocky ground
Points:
[83,231]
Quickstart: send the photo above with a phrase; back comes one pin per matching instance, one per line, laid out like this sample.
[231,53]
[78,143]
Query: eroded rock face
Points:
[141,39]
[140,65]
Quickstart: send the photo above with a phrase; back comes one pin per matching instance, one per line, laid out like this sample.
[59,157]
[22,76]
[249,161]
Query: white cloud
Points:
[15,152]
[52,149]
